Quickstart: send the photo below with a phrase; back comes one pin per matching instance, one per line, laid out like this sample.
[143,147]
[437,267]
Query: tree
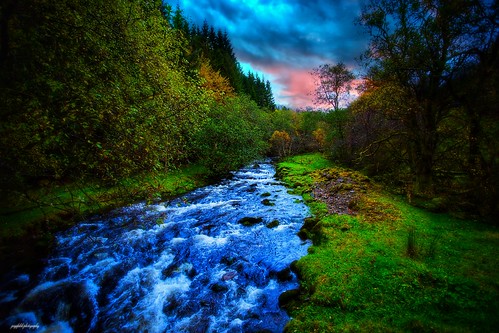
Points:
[420,46]
[269,96]
[218,85]
[232,136]
[280,143]
[333,83]
[375,133]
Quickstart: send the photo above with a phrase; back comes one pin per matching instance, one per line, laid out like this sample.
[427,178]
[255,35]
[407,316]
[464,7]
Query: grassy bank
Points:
[385,266]
[29,220]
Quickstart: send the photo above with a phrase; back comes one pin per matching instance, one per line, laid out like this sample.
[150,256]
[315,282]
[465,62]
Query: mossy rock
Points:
[310,222]
[284,275]
[249,221]
[303,234]
[273,224]
[267,202]
[266,194]
[295,268]
[289,297]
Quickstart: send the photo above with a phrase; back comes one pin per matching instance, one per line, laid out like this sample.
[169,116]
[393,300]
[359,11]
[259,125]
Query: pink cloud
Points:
[295,87]
[292,87]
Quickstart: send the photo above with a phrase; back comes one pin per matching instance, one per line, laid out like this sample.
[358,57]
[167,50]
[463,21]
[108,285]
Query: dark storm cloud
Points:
[289,35]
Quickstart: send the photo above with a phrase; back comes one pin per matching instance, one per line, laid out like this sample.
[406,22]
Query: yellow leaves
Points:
[375,211]
[388,98]
[281,143]
[280,136]
[320,136]
[216,83]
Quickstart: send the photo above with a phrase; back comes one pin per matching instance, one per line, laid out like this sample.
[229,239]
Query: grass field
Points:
[390,267]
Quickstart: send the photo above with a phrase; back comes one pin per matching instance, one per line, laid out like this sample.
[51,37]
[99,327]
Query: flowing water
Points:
[186,265]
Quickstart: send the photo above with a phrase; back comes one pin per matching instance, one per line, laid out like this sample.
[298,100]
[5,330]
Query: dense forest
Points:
[426,120]
[95,91]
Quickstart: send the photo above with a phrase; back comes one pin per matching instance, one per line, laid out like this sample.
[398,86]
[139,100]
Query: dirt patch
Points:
[340,190]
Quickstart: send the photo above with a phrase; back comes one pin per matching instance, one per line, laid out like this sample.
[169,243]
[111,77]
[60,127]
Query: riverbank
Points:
[378,264]
[29,220]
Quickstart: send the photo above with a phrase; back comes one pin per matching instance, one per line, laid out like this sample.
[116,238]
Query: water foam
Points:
[182,265]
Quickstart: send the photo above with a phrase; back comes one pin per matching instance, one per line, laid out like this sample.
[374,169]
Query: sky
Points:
[285,40]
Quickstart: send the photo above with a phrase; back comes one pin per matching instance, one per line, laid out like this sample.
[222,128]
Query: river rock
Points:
[310,222]
[219,287]
[288,297]
[273,224]
[197,271]
[284,275]
[68,302]
[249,221]
[267,202]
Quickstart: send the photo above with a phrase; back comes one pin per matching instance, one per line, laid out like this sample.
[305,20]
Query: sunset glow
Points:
[284,41]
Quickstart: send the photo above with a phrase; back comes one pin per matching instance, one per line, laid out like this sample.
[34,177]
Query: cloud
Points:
[285,40]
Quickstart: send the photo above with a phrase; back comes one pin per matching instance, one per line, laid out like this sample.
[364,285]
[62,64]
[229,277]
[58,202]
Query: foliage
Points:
[214,47]
[215,83]
[95,90]
[430,93]
[310,130]
[232,136]
[375,132]
[259,90]
[28,225]
[419,47]
[96,94]
[280,142]
[358,276]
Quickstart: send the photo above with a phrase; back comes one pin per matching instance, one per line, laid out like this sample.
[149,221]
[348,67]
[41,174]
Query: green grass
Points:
[296,170]
[359,276]
[35,215]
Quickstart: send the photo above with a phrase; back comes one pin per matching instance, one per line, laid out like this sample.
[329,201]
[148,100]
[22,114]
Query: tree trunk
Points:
[425,144]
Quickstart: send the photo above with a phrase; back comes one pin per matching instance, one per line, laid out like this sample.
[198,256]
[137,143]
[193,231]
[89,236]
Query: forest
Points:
[101,92]
[108,103]
[97,93]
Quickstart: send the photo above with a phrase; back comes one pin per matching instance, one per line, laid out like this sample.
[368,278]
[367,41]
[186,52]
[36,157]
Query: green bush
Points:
[233,135]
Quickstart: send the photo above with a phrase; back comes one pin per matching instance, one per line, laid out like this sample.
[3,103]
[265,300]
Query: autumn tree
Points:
[214,47]
[105,90]
[333,84]
[218,85]
[280,143]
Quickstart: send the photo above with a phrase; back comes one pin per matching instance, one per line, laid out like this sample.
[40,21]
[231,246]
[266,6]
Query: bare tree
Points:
[333,84]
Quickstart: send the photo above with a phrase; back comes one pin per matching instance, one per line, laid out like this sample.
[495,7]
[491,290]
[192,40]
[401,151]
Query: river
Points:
[214,260]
